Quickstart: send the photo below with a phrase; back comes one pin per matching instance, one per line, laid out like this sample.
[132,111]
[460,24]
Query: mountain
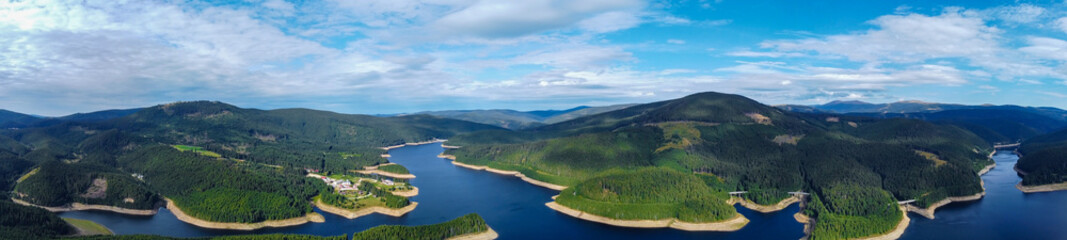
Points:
[9,119]
[515,120]
[678,158]
[216,161]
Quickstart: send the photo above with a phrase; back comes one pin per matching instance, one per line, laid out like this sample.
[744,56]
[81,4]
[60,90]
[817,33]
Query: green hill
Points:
[743,145]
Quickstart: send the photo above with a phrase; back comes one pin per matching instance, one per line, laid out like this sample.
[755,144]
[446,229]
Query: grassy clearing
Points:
[87,227]
[24,177]
[932,157]
[198,150]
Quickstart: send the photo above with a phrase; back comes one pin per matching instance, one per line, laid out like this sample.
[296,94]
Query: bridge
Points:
[998,146]
[906,201]
[797,193]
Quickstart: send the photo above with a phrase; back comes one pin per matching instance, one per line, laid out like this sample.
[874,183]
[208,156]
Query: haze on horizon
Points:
[393,56]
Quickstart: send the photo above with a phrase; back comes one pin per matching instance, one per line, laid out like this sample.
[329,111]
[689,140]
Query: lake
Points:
[516,210]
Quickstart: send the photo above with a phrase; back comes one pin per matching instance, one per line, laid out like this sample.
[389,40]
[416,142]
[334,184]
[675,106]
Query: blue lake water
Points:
[516,210]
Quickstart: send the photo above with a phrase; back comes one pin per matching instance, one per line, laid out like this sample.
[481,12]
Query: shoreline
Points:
[1052,187]
[784,203]
[352,214]
[374,170]
[897,231]
[987,169]
[310,217]
[1041,188]
[729,225]
[83,231]
[409,193]
[510,173]
[488,234]
[807,221]
[384,173]
[85,207]
[928,212]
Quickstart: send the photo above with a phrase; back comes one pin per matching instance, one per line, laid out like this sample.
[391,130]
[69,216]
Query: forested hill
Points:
[216,161]
[1044,159]
[855,167]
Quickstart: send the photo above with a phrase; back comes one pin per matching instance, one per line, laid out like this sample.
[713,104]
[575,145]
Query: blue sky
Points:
[390,56]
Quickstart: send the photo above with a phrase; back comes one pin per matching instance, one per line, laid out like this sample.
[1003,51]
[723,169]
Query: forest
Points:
[651,193]
[22,222]
[467,224]
[1043,159]
[394,168]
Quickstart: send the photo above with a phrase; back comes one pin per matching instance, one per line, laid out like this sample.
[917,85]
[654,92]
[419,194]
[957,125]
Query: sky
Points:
[395,56]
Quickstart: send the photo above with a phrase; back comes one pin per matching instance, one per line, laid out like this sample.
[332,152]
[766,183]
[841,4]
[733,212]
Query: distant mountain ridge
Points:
[994,123]
[512,119]
[9,119]
[912,106]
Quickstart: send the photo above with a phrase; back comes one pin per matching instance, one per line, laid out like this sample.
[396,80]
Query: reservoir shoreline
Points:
[310,217]
[83,207]
[733,224]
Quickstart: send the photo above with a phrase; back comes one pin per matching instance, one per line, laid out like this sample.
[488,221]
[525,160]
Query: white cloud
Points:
[770,54]
[1046,48]
[497,19]
[675,41]
[904,38]
[1061,24]
[1024,13]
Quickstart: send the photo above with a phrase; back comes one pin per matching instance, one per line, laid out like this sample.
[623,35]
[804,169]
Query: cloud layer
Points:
[60,57]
